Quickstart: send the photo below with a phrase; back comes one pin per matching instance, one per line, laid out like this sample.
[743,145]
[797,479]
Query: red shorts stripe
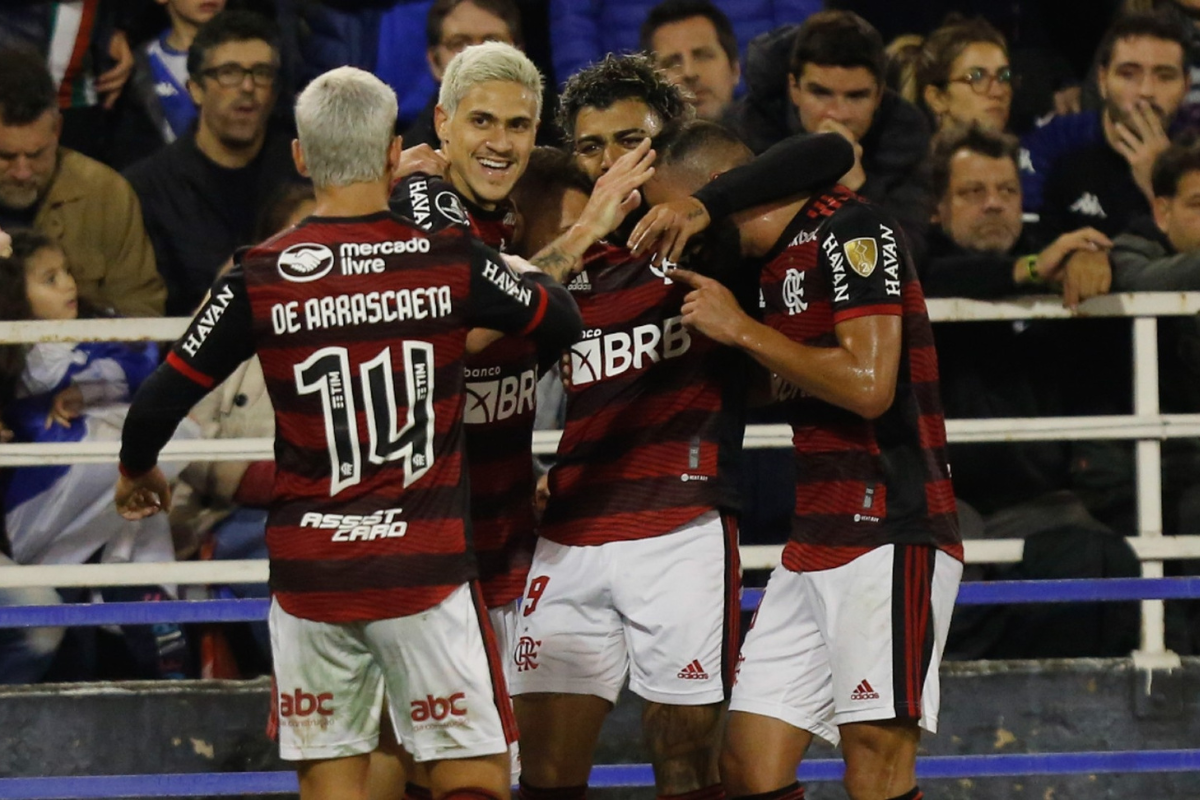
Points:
[495,666]
[733,602]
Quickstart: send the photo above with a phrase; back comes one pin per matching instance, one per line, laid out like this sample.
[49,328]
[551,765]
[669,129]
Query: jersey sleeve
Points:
[430,202]
[527,303]
[219,338]
[860,252]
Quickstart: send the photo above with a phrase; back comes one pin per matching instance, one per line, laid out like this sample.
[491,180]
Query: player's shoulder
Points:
[856,218]
[430,202]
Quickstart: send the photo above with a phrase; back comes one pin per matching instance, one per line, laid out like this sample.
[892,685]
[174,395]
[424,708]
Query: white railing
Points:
[1145,426]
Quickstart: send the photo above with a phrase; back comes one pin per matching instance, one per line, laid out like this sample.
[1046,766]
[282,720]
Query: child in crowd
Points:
[65,392]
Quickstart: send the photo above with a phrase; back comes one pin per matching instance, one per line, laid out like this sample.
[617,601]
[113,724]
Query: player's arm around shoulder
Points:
[511,295]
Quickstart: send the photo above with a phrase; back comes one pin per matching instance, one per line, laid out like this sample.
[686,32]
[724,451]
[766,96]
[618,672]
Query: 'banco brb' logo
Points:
[302,263]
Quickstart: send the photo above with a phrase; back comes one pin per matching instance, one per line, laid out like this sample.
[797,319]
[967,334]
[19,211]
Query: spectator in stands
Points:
[451,27]
[978,246]
[582,34]
[1093,168]
[161,109]
[902,57]
[964,76]
[834,82]
[77,393]
[203,194]
[692,41]
[86,208]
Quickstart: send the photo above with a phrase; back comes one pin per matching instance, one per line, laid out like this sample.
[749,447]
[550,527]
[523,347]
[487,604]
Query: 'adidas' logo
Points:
[693,672]
[864,692]
[580,283]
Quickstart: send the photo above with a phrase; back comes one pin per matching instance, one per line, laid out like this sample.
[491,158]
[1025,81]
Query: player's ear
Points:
[441,123]
[298,158]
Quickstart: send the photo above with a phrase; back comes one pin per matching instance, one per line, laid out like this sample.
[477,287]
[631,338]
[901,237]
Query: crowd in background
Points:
[143,141]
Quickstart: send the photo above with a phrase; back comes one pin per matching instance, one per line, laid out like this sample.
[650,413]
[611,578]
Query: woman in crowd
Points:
[964,76]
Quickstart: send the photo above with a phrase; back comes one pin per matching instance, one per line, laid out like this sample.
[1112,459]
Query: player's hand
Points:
[67,405]
[616,193]
[110,84]
[857,176]
[480,339]
[421,158]
[666,229]
[710,308]
[141,497]
[1087,274]
[1141,139]
[1052,260]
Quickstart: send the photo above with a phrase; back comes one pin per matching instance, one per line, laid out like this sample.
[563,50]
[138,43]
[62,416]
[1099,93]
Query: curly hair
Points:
[619,78]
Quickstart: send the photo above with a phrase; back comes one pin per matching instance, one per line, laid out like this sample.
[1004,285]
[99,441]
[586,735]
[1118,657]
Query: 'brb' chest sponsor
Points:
[500,398]
[602,355]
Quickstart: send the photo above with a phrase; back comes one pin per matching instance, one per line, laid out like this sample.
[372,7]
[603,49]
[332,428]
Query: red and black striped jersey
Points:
[655,413]
[360,325]
[500,405]
[859,483]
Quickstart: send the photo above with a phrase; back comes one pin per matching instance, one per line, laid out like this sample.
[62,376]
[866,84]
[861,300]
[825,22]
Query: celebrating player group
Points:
[423,610]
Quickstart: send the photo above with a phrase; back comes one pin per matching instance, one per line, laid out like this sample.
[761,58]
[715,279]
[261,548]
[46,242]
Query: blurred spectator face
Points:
[846,95]
[982,206]
[1179,216]
[488,139]
[979,89]
[602,135]
[193,12]
[28,156]
[236,92]
[689,52]
[49,286]
[1144,70]
[466,25]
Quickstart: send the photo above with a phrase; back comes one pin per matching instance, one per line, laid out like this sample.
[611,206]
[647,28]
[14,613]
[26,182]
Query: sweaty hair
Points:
[506,10]
[26,88]
[226,27]
[616,78]
[947,144]
[947,43]
[1130,26]
[697,148]
[837,39]
[490,61]
[345,121]
[1176,161]
[670,11]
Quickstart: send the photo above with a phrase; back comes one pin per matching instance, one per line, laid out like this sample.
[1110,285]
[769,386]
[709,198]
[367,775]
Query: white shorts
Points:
[663,610]
[504,625]
[438,669]
[857,643]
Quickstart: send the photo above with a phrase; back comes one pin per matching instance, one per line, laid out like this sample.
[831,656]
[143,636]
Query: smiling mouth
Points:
[494,165]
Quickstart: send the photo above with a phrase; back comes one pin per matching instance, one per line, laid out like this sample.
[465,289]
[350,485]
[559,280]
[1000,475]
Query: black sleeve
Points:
[980,276]
[430,202]
[797,165]
[219,338]
[862,254]
[527,304]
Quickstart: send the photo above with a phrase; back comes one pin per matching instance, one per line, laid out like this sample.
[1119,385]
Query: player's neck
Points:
[464,190]
[760,227]
[355,200]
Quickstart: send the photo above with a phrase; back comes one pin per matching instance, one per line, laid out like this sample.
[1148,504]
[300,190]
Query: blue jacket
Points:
[584,31]
[1042,147]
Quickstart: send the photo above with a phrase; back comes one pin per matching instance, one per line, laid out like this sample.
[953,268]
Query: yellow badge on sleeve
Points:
[863,255]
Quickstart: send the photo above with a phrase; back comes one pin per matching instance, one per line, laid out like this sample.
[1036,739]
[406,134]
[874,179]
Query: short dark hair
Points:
[552,170]
[947,43]
[670,11]
[628,77]
[1129,26]
[837,39]
[1172,164]
[26,88]
[229,26]
[506,10]
[685,138]
[948,142]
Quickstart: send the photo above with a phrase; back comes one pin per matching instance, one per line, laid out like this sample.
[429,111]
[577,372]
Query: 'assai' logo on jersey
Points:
[500,399]
[302,263]
[605,355]
[451,208]
[862,255]
[793,292]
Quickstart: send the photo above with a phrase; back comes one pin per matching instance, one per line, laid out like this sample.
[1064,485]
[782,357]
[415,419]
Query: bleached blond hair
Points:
[346,121]
[490,61]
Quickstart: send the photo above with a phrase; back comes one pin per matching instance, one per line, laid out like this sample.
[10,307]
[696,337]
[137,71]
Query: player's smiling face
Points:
[488,139]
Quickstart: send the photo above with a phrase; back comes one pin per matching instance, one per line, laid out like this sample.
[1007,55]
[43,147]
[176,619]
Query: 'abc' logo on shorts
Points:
[302,704]
[302,263]
[438,708]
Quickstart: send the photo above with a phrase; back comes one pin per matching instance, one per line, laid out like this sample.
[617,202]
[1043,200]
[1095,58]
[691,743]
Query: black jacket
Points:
[198,213]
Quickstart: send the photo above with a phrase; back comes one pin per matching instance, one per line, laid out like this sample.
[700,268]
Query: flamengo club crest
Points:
[863,255]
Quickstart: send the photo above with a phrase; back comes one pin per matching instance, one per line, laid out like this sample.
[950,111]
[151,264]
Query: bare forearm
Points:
[564,256]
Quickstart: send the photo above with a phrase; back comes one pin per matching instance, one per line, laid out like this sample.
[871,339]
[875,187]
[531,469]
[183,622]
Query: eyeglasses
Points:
[980,80]
[231,75]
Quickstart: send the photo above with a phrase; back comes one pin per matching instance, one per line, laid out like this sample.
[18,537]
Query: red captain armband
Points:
[188,371]
[133,476]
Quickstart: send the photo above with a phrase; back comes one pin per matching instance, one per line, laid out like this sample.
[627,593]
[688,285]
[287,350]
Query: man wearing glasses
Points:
[202,195]
[835,81]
